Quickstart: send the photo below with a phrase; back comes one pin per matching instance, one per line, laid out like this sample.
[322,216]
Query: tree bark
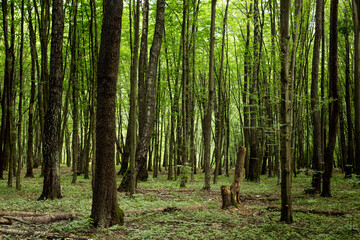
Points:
[334,105]
[51,186]
[219,124]
[105,210]
[349,166]
[317,139]
[285,115]
[208,116]
[21,86]
[133,83]
[30,138]
[254,154]
[145,138]
[356,22]
[75,95]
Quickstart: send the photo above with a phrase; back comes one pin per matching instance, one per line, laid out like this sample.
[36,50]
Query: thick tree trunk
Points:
[356,21]
[51,186]
[105,210]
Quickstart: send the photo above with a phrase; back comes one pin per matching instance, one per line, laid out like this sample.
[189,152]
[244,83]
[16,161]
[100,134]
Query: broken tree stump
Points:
[232,197]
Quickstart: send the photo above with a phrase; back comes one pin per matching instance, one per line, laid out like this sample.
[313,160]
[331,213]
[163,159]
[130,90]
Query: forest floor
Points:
[163,210]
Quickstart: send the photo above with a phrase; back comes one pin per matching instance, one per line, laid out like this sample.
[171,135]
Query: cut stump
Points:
[231,197]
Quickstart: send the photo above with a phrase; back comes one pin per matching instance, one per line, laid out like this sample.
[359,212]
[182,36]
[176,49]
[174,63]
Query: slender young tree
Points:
[21,89]
[285,115]
[254,150]
[211,96]
[350,148]
[133,79]
[51,186]
[317,139]
[221,105]
[75,95]
[105,210]
[334,106]
[30,153]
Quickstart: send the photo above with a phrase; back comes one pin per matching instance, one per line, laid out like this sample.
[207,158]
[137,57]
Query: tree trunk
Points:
[30,138]
[142,84]
[254,153]
[144,141]
[356,22]
[334,105]
[105,210]
[317,138]
[208,116]
[51,186]
[75,95]
[220,106]
[21,86]
[247,74]
[349,167]
[285,115]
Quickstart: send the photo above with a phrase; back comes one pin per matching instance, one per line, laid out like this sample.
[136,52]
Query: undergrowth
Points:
[252,221]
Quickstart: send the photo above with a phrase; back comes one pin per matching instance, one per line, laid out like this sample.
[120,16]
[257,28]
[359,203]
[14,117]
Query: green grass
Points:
[252,221]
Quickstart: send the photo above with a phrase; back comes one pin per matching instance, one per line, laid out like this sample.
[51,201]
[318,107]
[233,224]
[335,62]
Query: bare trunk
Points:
[317,138]
[208,116]
[285,115]
[334,106]
[105,210]
[51,186]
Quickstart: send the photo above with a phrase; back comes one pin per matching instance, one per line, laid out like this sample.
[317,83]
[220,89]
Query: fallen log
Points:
[315,211]
[4,221]
[31,217]
[39,233]
[10,218]
[51,218]
[21,213]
